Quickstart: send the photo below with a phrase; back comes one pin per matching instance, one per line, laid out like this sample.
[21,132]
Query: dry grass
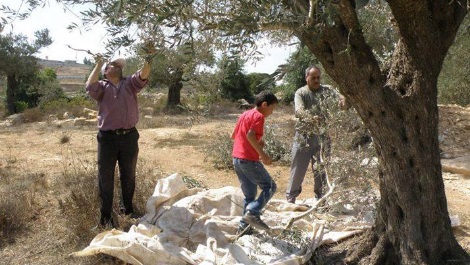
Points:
[18,199]
[15,210]
[28,200]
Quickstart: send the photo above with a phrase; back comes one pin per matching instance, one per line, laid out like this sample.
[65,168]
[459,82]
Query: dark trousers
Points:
[124,150]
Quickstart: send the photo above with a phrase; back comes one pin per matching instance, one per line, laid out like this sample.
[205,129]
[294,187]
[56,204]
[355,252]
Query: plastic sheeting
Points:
[196,226]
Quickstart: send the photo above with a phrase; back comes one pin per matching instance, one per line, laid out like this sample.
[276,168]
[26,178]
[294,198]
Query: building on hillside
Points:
[71,75]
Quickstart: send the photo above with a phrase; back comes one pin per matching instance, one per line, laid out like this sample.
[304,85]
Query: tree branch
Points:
[311,12]
[313,208]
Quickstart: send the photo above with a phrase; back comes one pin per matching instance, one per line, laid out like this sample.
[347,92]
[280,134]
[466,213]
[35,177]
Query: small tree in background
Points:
[257,82]
[19,65]
[87,61]
[177,67]
[234,84]
[48,87]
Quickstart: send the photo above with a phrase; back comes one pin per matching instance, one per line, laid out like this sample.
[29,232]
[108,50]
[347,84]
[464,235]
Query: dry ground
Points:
[36,150]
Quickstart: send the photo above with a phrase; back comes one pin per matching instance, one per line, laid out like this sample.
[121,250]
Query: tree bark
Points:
[400,110]
[174,89]
[12,86]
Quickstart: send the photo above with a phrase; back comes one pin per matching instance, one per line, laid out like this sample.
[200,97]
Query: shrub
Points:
[234,84]
[3,110]
[74,106]
[219,151]
[33,115]
[287,92]
[81,202]
[15,214]
[21,106]
[16,203]
[277,144]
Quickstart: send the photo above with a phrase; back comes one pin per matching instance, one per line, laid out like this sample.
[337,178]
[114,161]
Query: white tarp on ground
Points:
[196,226]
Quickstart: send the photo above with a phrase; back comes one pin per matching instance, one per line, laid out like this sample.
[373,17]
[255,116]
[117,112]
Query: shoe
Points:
[123,210]
[134,215]
[241,231]
[131,214]
[255,221]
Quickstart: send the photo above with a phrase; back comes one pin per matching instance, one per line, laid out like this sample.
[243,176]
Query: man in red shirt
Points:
[247,154]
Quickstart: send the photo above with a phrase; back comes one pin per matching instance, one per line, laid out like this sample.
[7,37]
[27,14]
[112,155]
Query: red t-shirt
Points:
[249,120]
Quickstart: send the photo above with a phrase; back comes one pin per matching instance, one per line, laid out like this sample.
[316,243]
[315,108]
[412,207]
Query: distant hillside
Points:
[71,75]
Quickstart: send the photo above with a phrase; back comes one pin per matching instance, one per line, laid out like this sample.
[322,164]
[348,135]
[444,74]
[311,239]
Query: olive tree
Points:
[19,65]
[397,103]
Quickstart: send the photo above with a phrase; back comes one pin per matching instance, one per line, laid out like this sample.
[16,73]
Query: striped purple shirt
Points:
[118,107]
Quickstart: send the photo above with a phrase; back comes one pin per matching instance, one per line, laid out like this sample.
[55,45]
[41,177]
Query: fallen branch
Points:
[317,237]
[313,208]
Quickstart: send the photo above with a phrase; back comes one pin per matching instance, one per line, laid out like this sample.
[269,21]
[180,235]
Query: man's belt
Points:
[120,131]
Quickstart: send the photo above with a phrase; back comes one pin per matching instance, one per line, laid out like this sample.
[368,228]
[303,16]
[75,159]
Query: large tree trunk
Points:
[400,110]
[174,89]
[12,86]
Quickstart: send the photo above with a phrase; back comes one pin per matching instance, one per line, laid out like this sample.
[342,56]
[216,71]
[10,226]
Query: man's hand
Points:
[149,50]
[95,73]
[99,58]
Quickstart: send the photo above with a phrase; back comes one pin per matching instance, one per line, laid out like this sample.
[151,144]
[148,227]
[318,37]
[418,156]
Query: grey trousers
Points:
[305,151]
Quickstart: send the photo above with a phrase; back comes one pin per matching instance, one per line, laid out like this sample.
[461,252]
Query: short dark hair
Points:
[267,96]
[310,68]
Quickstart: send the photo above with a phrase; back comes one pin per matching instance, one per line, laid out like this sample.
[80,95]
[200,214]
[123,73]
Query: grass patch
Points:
[17,203]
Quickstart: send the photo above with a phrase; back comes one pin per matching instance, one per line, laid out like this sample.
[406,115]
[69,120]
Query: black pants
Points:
[123,149]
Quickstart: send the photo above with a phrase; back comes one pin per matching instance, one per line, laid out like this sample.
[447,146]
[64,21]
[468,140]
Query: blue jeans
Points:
[252,174]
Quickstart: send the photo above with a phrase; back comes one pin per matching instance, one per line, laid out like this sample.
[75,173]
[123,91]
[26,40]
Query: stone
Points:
[458,165]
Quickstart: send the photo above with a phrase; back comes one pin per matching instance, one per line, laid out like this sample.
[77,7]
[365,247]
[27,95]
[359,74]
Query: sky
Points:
[56,18]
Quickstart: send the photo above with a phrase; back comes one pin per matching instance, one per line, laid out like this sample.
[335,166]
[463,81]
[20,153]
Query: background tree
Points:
[87,61]
[257,82]
[174,67]
[19,64]
[234,84]
[48,87]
